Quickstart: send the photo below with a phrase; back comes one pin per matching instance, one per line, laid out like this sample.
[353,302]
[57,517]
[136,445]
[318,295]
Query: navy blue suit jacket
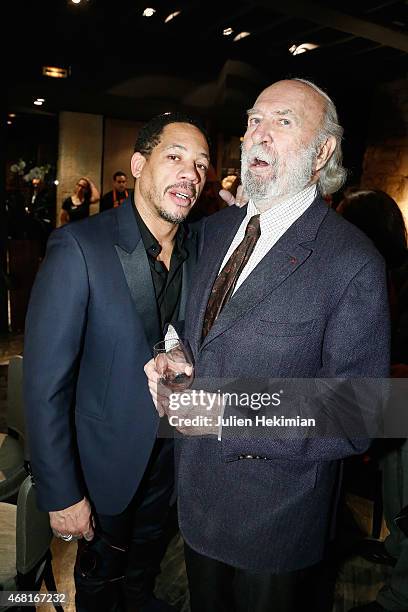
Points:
[315,307]
[91,325]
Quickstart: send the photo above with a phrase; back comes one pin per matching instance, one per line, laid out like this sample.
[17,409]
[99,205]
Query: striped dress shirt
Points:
[274,223]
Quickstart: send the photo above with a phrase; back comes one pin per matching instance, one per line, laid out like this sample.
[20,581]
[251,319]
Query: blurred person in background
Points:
[210,200]
[376,214]
[76,206]
[119,193]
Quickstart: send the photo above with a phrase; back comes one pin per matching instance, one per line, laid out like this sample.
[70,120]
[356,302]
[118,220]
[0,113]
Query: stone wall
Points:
[79,154]
[118,145]
[385,163]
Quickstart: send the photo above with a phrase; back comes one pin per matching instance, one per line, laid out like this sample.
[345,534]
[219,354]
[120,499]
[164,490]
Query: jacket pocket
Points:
[93,383]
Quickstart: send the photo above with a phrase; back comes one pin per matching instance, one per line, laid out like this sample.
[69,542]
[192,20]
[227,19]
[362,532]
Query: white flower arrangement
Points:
[37,172]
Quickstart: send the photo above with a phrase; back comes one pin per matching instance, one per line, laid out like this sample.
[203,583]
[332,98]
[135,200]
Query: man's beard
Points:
[172,217]
[285,178]
[153,196]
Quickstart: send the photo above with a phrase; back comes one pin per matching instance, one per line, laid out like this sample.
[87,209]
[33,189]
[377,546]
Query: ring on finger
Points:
[67,537]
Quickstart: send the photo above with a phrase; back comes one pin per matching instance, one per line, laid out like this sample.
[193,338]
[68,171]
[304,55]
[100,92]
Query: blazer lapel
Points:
[289,253]
[210,263]
[131,252]
[189,266]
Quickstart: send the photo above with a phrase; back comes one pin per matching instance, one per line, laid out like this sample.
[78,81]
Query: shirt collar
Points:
[287,211]
[151,244]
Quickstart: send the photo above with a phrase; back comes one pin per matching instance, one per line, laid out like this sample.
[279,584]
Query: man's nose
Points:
[189,172]
[262,134]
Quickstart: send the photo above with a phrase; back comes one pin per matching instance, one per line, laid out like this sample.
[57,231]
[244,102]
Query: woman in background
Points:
[380,218]
[76,207]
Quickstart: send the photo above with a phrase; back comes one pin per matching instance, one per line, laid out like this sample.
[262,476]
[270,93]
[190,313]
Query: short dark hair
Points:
[149,135]
[119,173]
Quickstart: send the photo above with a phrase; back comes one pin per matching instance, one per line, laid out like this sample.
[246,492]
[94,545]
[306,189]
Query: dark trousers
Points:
[217,587]
[116,572]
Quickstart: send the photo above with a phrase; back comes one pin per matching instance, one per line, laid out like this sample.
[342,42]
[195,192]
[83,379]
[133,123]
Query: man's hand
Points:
[195,412]
[76,521]
[240,200]
[159,392]
[181,408]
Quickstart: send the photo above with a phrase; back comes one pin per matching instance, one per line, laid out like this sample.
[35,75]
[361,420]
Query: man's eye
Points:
[202,167]
[173,157]
[254,121]
[284,121]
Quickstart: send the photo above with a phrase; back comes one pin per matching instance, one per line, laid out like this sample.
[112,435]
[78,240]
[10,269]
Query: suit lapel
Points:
[191,246]
[210,263]
[133,258]
[284,258]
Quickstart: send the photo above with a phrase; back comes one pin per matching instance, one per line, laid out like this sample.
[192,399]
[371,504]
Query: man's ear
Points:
[325,152]
[136,164]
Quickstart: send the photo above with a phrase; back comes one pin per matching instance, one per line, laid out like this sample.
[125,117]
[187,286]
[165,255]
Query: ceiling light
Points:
[298,49]
[149,12]
[76,1]
[56,182]
[55,72]
[41,100]
[12,115]
[227,31]
[9,122]
[241,35]
[171,16]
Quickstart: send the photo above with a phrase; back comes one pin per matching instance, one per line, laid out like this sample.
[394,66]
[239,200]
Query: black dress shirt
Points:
[167,283]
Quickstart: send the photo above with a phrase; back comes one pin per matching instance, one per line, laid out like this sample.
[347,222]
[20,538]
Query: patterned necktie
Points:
[225,283]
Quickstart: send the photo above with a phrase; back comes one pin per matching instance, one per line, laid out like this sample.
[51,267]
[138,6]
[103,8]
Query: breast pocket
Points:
[285,329]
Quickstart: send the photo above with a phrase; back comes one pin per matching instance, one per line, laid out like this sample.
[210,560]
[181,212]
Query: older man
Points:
[105,290]
[286,289]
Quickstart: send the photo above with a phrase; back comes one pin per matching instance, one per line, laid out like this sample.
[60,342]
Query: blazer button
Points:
[249,457]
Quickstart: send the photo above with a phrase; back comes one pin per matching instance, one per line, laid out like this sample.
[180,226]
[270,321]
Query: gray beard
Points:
[282,181]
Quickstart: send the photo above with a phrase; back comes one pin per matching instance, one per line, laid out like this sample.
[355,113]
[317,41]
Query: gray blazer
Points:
[315,307]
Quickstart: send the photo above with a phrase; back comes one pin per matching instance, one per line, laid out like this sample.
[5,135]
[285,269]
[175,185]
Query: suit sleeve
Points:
[54,334]
[346,396]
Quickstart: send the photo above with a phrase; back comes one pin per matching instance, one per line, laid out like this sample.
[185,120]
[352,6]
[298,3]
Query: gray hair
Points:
[332,176]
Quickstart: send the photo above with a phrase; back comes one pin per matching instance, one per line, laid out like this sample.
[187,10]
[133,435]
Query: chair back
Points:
[33,529]
[15,406]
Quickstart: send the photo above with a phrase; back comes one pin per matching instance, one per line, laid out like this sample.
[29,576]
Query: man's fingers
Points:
[158,401]
[161,365]
[151,372]
[73,520]
[241,198]
[227,197]
[89,534]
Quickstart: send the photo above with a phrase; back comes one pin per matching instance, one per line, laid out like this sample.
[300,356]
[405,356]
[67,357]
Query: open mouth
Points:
[181,197]
[259,163]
